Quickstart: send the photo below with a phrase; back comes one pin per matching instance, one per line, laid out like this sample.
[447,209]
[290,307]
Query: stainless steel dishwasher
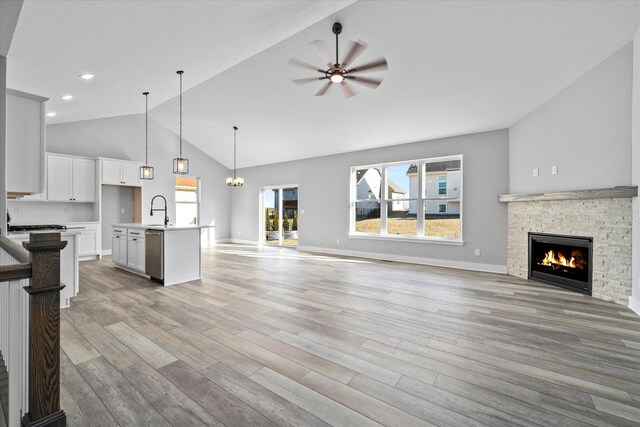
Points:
[154,254]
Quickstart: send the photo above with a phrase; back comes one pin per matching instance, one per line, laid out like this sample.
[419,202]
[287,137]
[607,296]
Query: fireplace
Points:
[564,261]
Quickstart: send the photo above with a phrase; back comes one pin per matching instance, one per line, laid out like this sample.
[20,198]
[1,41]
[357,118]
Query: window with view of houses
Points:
[414,199]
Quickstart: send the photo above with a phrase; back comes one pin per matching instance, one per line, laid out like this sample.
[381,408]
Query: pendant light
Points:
[235,181]
[146,171]
[180,164]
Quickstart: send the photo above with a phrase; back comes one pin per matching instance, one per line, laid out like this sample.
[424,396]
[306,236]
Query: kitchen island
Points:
[167,254]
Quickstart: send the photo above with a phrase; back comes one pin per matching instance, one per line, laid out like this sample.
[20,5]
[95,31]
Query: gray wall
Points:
[114,199]
[123,138]
[324,196]
[585,130]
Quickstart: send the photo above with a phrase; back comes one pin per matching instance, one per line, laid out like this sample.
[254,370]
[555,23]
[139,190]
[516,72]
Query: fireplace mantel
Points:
[600,193]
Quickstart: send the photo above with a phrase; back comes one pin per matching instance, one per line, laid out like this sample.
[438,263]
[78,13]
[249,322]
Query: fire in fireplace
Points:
[561,260]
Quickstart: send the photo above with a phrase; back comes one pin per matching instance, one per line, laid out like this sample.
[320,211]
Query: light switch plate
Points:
[554,170]
[536,172]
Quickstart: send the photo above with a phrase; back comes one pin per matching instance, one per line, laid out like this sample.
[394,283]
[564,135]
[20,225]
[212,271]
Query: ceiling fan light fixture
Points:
[337,75]
[341,72]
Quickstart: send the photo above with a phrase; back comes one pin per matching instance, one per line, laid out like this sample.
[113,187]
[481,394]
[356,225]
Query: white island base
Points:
[182,261]
[181,254]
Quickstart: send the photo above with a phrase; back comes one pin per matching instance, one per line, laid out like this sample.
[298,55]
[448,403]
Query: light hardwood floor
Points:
[279,337]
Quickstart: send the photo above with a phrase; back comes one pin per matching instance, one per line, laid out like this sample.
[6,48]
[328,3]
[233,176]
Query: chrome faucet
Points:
[166,217]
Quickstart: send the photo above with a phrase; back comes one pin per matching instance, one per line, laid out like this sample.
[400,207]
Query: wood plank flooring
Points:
[278,337]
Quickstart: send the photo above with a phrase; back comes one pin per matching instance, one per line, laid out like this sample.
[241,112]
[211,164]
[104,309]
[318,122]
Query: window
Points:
[442,184]
[414,200]
[187,201]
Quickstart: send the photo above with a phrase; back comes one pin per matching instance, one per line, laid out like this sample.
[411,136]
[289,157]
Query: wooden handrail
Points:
[16,251]
[9,273]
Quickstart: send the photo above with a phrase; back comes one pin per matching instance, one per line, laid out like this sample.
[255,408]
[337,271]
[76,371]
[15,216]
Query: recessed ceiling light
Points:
[67,97]
[87,76]
[51,114]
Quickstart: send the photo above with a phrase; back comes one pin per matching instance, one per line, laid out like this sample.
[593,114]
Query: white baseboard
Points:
[244,242]
[218,241]
[462,265]
[106,252]
[634,305]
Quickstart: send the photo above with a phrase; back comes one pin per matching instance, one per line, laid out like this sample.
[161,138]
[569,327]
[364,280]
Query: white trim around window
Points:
[377,194]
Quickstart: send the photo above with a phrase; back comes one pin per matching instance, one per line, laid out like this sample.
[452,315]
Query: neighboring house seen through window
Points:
[416,199]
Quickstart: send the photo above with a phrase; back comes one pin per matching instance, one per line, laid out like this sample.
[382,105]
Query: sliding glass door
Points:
[280,215]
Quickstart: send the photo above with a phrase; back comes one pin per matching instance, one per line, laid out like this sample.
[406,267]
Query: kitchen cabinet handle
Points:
[135,240]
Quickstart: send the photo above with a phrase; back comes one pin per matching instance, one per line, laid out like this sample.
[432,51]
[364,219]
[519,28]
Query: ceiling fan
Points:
[341,72]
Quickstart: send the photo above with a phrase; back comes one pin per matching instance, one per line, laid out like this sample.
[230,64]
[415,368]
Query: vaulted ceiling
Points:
[454,67]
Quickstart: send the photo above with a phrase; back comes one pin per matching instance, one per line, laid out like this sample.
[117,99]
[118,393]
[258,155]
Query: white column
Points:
[3,145]
[634,301]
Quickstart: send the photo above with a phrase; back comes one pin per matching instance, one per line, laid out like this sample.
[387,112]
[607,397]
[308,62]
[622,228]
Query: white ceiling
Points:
[454,67]
[134,46]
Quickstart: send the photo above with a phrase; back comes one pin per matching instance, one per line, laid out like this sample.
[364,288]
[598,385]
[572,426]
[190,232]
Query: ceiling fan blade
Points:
[307,80]
[377,65]
[372,83]
[346,90]
[302,64]
[356,50]
[323,89]
[323,49]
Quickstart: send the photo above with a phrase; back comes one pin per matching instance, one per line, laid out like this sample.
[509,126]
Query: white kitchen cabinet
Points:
[119,249]
[83,180]
[89,239]
[59,178]
[120,172]
[136,253]
[130,173]
[25,142]
[70,178]
[128,248]
[111,172]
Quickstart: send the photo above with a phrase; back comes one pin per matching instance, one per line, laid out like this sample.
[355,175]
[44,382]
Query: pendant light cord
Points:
[180,74]
[146,128]
[235,130]
[337,50]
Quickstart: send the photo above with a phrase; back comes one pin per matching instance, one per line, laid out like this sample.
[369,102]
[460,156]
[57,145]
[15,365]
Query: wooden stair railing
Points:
[42,266]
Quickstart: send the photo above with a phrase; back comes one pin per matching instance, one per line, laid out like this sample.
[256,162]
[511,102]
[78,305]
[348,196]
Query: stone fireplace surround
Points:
[603,214]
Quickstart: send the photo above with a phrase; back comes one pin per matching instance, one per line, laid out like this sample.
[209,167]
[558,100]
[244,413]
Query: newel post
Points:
[44,331]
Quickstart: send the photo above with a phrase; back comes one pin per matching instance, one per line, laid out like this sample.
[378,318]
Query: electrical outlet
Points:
[121,210]
[337,241]
[477,252]
[554,170]
[301,211]
[536,172]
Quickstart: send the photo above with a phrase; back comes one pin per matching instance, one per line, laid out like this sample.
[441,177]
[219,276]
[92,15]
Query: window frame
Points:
[420,201]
